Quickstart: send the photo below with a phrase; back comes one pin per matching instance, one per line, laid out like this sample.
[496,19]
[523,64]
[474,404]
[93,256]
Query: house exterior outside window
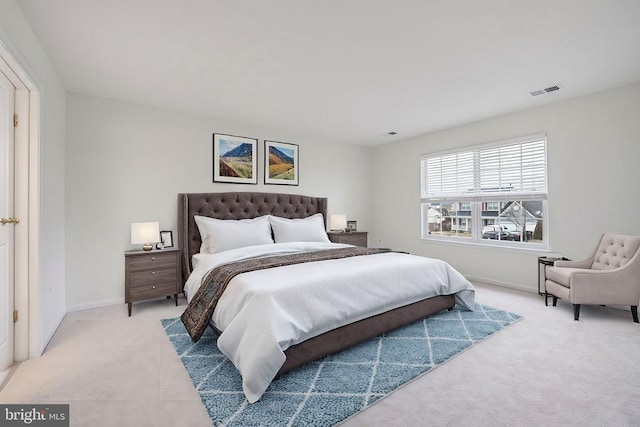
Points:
[492,206]
[494,194]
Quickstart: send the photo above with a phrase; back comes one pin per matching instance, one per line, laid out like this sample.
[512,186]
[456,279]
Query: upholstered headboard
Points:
[236,206]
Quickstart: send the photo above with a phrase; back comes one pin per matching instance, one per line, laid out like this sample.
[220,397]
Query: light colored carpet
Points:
[546,370]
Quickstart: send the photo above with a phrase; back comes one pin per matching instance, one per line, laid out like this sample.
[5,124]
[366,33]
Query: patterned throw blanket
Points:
[199,311]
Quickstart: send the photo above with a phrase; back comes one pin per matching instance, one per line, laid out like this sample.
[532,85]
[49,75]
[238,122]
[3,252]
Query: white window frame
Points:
[463,183]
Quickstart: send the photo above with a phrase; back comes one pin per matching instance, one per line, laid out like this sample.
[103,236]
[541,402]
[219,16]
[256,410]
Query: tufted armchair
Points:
[610,276]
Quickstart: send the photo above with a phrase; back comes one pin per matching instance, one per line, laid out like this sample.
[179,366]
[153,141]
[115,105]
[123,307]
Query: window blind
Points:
[513,170]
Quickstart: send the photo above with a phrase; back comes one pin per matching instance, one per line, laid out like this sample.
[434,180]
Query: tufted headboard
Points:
[236,206]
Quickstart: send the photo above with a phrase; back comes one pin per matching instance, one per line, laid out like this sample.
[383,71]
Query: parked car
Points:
[488,228]
[504,235]
[492,232]
[496,232]
[512,230]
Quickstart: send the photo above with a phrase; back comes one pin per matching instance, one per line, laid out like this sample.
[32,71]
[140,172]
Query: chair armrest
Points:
[587,263]
[617,286]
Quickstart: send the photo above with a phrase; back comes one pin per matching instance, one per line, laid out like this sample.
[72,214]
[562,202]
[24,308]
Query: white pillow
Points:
[310,229]
[221,235]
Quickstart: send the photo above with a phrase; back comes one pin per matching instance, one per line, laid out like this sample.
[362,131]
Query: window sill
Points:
[508,246]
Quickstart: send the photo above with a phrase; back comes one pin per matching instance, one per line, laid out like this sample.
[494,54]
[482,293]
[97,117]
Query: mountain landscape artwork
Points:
[281,163]
[237,162]
[234,159]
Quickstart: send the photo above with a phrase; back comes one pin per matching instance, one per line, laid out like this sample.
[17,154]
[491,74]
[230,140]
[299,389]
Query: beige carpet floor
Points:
[545,370]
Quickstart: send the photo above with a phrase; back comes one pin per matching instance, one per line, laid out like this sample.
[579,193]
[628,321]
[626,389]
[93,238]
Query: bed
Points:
[307,344]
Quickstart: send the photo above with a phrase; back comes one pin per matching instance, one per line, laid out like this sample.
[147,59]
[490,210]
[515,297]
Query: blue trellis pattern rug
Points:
[326,392]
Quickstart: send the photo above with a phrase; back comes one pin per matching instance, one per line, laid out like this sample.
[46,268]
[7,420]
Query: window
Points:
[491,206]
[493,194]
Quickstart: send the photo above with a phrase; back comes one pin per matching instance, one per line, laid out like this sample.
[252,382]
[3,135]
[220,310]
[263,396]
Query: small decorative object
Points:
[235,159]
[338,222]
[159,245]
[166,237]
[351,226]
[145,233]
[280,163]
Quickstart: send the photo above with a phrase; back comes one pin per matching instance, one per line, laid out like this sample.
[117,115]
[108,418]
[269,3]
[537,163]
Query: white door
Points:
[7,93]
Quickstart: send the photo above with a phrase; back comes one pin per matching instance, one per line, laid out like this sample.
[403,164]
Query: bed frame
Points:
[247,205]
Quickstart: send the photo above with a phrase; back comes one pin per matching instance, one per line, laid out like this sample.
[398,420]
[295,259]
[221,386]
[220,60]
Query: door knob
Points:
[4,221]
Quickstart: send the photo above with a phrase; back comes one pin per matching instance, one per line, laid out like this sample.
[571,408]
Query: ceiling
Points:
[347,71]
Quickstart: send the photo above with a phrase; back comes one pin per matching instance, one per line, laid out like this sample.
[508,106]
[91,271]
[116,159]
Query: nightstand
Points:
[356,238]
[543,263]
[152,274]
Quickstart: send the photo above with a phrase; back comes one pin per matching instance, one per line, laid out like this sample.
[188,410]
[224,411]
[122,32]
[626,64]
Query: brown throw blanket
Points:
[199,311]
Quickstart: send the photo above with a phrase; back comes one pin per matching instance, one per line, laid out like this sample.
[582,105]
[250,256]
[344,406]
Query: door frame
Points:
[27,330]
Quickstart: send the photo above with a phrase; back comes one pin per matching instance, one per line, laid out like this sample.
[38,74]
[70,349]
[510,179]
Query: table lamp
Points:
[338,222]
[145,233]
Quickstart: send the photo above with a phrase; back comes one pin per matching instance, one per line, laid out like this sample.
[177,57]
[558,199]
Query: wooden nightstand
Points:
[152,274]
[356,238]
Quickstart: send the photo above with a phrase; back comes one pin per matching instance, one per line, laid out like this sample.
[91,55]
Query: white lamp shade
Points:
[338,221]
[145,232]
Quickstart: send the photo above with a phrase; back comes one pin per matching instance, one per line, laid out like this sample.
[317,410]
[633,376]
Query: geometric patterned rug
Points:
[327,391]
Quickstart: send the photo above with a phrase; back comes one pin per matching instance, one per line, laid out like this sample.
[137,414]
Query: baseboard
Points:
[97,304]
[46,340]
[509,285]
[526,289]
[5,376]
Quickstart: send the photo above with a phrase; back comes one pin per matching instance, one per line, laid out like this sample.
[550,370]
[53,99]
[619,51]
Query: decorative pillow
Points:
[310,229]
[221,235]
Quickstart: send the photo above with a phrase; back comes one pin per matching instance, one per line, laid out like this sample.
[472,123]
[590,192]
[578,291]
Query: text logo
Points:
[34,415]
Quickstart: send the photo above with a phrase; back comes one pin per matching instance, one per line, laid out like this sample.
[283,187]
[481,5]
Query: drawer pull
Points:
[153,272]
[153,287]
[153,258]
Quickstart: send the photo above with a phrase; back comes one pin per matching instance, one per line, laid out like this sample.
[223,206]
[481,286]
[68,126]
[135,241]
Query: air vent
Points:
[545,90]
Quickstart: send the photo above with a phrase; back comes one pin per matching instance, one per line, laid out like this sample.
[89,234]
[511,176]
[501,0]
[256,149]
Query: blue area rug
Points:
[326,392]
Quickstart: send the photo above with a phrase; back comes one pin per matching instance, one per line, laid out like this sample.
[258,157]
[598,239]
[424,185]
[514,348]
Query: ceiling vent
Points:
[545,90]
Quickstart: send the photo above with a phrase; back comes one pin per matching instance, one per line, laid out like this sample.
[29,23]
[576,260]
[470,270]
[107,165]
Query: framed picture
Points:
[235,159]
[280,163]
[351,226]
[166,237]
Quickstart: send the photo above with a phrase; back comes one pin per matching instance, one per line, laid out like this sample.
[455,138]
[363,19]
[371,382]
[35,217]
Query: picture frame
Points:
[166,237]
[281,166]
[351,226]
[235,159]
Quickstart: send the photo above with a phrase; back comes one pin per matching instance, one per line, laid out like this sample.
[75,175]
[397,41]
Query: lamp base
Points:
[147,247]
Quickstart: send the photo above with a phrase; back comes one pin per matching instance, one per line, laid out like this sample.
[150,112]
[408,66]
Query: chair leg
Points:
[634,313]
[576,311]
[555,300]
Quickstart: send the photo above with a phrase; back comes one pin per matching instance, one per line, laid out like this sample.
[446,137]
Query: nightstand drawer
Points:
[357,238]
[152,291]
[152,261]
[159,276]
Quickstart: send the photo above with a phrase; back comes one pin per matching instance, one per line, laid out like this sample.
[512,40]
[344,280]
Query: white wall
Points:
[17,36]
[593,147]
[127,163]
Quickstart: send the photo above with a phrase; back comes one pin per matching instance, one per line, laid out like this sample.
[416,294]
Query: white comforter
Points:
[262,313]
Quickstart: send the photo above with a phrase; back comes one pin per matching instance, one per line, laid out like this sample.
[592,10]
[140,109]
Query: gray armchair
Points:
[610,276]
